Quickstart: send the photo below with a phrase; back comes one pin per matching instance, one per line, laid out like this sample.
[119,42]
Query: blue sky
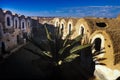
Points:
[64,8]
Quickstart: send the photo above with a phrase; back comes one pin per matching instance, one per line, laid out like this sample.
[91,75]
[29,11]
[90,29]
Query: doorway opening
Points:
[97,44]
[82,31]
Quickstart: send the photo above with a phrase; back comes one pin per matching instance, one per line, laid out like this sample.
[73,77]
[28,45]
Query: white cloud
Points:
[98,11]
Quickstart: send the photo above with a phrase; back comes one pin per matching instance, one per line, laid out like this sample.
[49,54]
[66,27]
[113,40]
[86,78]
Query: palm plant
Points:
[96,54]
[57,52]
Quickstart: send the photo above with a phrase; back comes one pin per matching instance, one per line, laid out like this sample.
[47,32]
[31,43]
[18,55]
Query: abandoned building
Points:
[14,29]
[103,32]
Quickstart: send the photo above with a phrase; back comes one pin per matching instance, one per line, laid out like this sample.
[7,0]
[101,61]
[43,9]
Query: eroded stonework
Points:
[104,32]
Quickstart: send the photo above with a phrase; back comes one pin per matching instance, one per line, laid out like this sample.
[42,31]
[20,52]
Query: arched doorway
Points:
[69,30]
[23,25]
[16,23]
[8,21]
[97,42]
[82,30]
[56,24]
[62,27]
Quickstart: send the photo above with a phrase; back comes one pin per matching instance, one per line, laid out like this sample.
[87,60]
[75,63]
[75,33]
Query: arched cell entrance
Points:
[99,43]
[23,24]
[102,39]
[81,30]
[56,22]
[8,21]
[16,22]
[69,29]
[62,29]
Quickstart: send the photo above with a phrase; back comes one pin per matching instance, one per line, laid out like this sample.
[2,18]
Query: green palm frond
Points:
[71,57]
[63,49]
[79,47]
[48,34]
[77,39]
[47,54]
[59,50]
[67,38]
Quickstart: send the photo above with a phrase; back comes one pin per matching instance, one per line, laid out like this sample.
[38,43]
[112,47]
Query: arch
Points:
[8,21]
[56,22]
[108,46]
[99,42]
[82,30]
[23,24]
[106,40]
[87,31]
[70,27]
[62,24]
[28,22]
[62,27]
[16,22]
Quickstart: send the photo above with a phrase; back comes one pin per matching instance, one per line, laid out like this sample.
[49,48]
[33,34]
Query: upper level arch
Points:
[16,21]
[23,23]
[28,22]
[102,39]
[69,26]
[56,22]
[62,24]
[8,19]
[82,28]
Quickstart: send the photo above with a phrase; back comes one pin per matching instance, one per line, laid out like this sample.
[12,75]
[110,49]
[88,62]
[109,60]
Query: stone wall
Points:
[13,27]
